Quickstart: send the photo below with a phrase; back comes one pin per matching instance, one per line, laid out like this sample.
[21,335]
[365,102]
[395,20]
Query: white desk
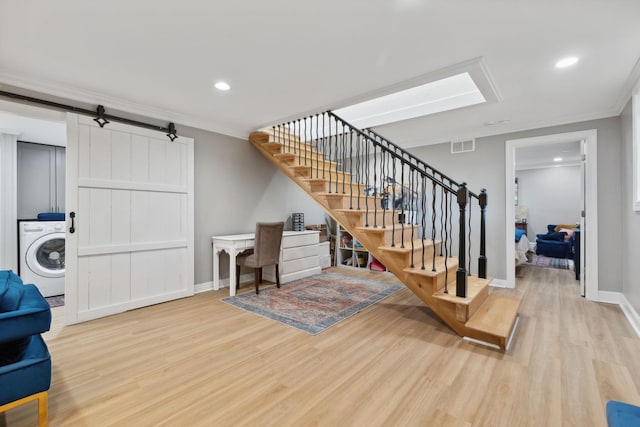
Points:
[298,255]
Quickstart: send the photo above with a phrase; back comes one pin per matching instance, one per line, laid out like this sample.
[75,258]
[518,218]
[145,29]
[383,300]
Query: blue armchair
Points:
[553,244]
[25,363]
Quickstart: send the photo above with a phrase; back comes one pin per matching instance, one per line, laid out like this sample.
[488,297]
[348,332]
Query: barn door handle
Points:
[73,226]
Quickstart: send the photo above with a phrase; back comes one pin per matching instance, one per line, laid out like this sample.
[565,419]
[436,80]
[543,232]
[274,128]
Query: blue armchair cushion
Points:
[11,292]
[30,375]
[621,414]
[24,311]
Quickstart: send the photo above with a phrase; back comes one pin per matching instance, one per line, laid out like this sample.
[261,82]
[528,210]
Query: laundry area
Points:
[39,255]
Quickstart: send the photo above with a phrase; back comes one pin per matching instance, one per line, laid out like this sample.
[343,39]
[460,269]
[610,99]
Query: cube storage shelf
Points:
[351,253]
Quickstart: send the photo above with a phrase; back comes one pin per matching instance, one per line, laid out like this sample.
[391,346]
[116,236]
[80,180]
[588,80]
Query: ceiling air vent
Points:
[463,146]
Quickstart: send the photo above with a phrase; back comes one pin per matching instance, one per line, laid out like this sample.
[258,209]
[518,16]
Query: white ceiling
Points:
[534,157]
[285,58]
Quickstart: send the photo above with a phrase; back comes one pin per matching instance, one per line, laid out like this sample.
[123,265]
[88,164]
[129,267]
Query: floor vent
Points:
[463,146]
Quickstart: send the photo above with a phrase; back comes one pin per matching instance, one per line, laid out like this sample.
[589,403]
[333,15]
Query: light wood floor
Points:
[200,362]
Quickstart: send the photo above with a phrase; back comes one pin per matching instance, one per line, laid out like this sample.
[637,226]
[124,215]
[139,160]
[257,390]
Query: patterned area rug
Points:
[543,261]
[315,303]
[56,301]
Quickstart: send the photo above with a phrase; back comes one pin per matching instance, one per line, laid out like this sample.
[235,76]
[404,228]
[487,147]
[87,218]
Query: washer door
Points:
[45,256]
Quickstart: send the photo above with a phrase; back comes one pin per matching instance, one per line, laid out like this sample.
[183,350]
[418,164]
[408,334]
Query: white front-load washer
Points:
[42,255]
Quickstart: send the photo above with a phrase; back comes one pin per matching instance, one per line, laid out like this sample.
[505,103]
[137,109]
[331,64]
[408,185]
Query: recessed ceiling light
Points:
[223,86]
[557,159]
[567,62]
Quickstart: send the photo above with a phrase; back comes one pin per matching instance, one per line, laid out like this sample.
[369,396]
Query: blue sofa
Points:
[25,363]
[553,244]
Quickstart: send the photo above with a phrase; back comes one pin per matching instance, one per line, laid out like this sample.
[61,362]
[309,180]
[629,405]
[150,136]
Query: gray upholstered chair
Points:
[266,251]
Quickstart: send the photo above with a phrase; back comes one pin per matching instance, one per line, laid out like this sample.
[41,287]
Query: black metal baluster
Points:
[402,213]
[386,158]
[351,169]
[482,261]
[392,200]
[469,241]
[450,199]
[324,143]
[331,119]
[366,185]
[359,180]
[446,239]
[344,160]
[433,226]
[302,136]
[375,183]
[461,273]
[442,218]
[411,185]
[423,205]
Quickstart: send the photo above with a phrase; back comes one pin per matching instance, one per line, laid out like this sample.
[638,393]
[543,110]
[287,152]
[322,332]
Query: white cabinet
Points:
[41,179]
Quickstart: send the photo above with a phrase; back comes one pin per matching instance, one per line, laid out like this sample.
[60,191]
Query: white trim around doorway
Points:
[590,240]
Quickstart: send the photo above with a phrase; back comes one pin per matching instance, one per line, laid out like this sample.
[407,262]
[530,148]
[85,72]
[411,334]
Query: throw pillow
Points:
[559,227]
[569,234]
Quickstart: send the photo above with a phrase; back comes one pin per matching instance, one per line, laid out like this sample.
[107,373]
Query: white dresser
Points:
[298,256]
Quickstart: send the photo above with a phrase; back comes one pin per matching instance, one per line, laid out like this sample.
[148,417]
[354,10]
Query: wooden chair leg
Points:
[260,274]
[237,276]
[257,274]
[277,277]
[43,410]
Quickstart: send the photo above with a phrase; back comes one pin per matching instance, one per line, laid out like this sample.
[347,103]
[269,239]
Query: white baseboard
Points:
[500,283]
[619,298]
[224,283]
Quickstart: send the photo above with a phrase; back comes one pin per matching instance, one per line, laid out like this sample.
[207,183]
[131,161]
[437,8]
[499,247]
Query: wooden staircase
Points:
[480,315]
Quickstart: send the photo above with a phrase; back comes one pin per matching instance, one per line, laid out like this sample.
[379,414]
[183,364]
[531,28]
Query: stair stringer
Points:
[446,310]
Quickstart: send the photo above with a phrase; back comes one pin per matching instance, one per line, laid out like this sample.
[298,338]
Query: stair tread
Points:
[355,211]
[452,262]
[496,316]
[388,227]
[417,245]
[474,287]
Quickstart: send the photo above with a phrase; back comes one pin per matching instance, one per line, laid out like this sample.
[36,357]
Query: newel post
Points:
[461,273]
[482,261]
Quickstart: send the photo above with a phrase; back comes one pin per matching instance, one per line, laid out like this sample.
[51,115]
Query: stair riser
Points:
[348,201]
[317,165]
[386,237]
[362,219]
[434,284]
[405,258]
[326,187]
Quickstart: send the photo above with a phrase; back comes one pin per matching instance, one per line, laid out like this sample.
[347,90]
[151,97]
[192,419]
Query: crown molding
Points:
[111,102]
[631,86]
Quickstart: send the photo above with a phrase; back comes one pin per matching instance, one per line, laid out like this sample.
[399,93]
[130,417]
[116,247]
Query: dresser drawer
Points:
[299,252]
[311,238]
[300,264]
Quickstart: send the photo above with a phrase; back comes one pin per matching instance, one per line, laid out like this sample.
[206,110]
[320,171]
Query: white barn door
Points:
[131,191]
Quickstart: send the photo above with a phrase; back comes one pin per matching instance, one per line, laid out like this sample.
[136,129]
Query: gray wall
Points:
[552,196]
[485,167]
[630,218]
[235,186]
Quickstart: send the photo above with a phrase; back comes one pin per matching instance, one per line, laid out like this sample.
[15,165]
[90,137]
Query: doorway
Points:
[588,162]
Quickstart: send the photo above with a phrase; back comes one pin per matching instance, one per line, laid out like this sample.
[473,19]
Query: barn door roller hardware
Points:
[100,115]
